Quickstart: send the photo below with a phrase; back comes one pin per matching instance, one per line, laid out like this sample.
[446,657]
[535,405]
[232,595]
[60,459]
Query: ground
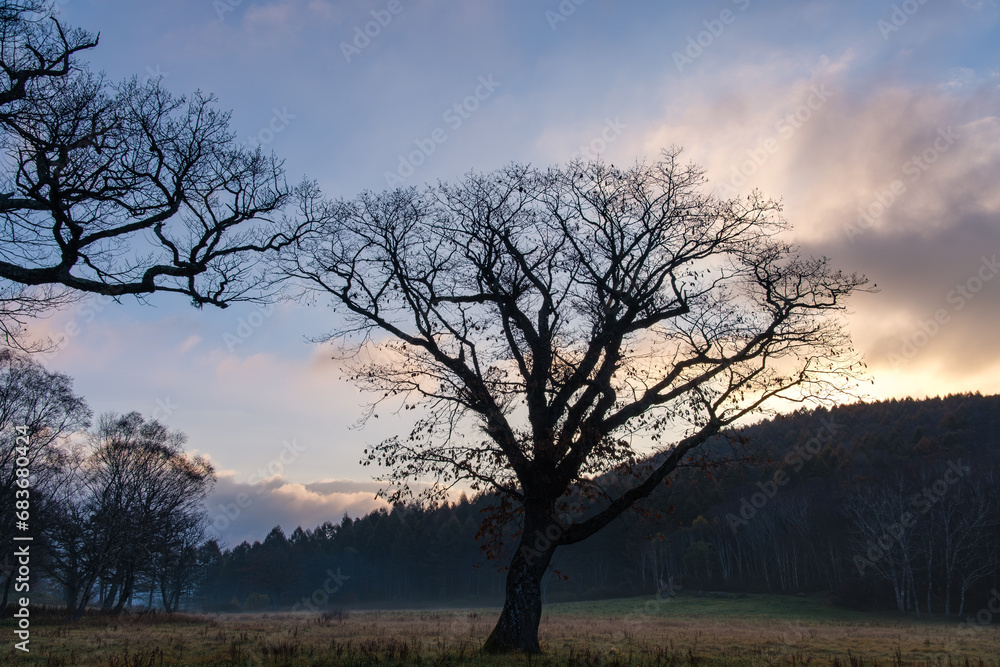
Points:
[711,630]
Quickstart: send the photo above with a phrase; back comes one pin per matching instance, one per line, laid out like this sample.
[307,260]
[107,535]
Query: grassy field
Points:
[750,630]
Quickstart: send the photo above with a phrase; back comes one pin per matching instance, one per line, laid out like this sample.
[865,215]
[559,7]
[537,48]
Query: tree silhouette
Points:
[118,189]
[801,540]
[131,504]
[557,325]
[44,402]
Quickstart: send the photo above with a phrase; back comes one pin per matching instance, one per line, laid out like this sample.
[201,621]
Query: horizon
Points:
[879,132]
[472,496]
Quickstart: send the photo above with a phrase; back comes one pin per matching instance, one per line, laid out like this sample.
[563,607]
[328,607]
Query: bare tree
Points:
[884,538]
[559,324]
[68,557]
[118,189]
[134,503]
[176,562]
[972,547]
[43,403]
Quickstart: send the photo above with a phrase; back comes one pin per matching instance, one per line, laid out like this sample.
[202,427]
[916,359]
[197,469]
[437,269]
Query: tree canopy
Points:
[119,188]
[554,324]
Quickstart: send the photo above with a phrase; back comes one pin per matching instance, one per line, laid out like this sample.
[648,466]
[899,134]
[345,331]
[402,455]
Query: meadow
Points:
[711,630]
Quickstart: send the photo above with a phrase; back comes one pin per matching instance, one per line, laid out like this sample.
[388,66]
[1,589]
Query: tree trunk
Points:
[169,594]
[86,590]
[107,598]
[82,605]
[947,594]
[930,576]
[70,593]
[126,592]
[517,628]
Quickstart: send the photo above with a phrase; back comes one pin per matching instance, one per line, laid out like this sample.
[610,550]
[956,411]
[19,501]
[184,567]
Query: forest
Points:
[635,374]
[888,505]
[861,502]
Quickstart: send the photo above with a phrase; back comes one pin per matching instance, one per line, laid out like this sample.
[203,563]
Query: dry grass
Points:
[759,631]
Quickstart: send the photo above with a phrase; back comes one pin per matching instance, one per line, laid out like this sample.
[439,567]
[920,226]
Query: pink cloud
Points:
[239,511]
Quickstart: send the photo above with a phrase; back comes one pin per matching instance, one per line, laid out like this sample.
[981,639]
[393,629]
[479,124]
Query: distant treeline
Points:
[889,505]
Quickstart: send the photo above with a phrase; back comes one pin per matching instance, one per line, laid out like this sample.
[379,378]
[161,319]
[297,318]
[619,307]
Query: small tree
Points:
[118,189]
[44,403]
[556,325]
[133,505]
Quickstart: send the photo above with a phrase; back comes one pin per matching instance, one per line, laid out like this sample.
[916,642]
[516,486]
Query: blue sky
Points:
[875,122]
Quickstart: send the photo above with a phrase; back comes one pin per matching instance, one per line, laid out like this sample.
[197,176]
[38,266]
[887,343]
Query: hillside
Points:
[814,501]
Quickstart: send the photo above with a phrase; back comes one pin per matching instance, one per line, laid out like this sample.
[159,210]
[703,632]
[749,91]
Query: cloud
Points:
[189,343]
[900,189]
[243,511]
[891,179]
[240,405]
[343,486]
[288,17]
[881,103]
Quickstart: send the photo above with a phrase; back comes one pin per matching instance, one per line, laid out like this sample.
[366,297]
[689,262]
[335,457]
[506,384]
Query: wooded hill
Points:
[889,505]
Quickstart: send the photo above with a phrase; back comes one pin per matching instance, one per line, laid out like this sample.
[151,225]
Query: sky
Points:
[876,123]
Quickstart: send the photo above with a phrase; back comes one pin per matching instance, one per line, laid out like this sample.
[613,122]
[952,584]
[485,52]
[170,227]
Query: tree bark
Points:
[87,590]
[126,591]
[81,607]
[517,628]
[70,593]
[108,599]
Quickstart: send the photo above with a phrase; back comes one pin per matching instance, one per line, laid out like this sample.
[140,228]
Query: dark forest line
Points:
[885,505]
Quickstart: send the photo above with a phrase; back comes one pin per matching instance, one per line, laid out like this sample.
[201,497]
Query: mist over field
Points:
[406,332]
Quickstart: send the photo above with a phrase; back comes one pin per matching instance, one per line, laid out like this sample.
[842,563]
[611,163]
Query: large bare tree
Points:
[562,324]
[118,189]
